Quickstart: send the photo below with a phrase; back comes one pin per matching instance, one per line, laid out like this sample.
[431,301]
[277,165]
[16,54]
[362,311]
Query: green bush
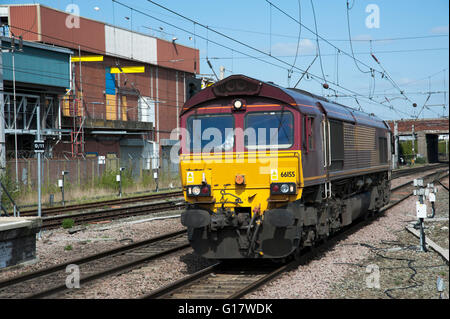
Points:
[420,160]
[108,179]
[68,223]
[9,183]
[147,178]
[442,147]
[406,147]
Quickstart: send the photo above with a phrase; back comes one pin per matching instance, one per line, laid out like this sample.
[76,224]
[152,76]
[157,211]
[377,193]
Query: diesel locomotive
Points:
[268,171]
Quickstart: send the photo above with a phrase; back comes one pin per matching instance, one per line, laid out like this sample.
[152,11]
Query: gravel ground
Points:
[57,246]
[438,230]
[404,272]
[323,277]
[52,249]
[332,273]
[401,180]
[141,281]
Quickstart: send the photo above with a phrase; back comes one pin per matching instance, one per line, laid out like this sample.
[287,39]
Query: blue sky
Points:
[415,65]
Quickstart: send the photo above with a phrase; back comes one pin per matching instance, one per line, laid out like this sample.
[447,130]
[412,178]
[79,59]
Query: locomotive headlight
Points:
[284,188]
[196,190]
[238,104]
[203,190]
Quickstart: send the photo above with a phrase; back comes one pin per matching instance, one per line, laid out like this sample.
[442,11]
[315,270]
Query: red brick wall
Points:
[421,125]
[93,80]
[167,94]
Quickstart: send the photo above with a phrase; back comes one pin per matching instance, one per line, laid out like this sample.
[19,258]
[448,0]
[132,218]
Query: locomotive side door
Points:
[326,150]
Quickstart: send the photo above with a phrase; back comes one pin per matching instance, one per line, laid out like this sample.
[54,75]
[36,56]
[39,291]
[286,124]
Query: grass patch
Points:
[68,248]
[68,223]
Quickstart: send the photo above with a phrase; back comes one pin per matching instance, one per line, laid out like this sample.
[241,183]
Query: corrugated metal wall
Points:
[90,35]
[38,66]
[24,20]
[178,57]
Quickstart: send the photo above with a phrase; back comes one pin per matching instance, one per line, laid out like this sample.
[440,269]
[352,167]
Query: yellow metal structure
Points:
[260,169]
[111,107]
[88,58]
[128,69]
[123,108]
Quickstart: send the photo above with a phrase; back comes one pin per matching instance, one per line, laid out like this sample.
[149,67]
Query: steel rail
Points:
[204,280]
[120,251]
[408,171]
[85,206]
[113,213]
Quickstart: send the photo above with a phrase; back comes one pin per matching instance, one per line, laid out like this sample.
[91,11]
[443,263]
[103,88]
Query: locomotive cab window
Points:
[210,132]
[308,136]
[269,130]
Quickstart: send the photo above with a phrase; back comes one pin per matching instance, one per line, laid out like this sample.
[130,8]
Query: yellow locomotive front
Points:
[240,166]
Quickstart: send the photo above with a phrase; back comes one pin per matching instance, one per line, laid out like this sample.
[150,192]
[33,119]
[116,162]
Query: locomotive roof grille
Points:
[237,86]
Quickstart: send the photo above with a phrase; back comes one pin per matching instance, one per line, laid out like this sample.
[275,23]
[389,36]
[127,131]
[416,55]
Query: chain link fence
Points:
[92,174]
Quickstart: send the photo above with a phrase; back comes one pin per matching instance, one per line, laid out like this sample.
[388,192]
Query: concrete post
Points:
[2,126]
[422,145]
[446,149]
[413,146]
[395,161]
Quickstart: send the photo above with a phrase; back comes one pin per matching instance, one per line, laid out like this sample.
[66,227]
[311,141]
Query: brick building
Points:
[426,132]
[125,88]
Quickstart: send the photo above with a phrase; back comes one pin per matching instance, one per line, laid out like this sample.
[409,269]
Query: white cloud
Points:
[306,47]
[440,29]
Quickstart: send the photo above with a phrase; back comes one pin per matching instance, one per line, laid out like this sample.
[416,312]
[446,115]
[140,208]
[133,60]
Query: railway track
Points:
[109,203]
[402,192]
[222,280]
[408,171]
[54,216]
[72,208]
[225,281]
[112,213]
[52,281]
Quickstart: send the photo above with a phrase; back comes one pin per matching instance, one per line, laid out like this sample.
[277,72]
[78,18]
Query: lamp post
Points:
[155,177]
[119,179]
[61,185]
[13,50]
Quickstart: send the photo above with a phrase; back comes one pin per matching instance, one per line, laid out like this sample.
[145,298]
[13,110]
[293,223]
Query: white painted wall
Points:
[131,45]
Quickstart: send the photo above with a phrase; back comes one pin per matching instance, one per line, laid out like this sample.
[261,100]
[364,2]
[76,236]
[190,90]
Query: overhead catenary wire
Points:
[334,40]
[350,39]
[327,41]
[298,41]
[356,53]
[317,41]
[237,41]
[302,71]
